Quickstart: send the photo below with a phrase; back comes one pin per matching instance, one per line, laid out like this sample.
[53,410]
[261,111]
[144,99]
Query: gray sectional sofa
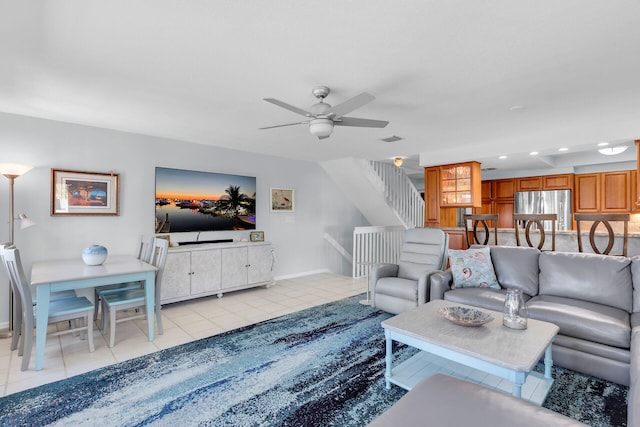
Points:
[594,299]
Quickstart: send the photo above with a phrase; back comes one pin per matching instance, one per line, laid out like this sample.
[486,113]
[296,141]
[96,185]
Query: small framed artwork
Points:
[256,236]
[282,200]
[84,193]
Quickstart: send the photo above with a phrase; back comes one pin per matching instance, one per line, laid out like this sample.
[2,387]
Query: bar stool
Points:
[528,221]
[606,220]
[481,219]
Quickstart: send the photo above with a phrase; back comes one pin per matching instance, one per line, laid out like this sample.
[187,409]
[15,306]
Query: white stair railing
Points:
[375,245]
[400,193]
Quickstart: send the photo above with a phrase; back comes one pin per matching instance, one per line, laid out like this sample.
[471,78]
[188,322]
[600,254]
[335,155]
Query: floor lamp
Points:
[11,172]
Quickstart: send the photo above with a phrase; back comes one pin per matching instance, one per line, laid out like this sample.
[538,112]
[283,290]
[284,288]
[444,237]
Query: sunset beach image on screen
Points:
[189,200]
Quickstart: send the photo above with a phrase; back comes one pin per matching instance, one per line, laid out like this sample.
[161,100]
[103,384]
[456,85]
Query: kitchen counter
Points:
[567,241]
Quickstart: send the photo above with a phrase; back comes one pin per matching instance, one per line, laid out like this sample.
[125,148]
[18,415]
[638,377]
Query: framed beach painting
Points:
[84,193]
[282,200]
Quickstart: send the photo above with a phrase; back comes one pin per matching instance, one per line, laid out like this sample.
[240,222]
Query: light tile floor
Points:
[67,355]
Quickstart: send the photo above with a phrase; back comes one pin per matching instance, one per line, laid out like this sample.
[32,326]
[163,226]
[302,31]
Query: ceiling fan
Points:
[323,117]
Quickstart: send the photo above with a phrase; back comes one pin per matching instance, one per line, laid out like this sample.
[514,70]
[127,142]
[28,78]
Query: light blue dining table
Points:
[62,275]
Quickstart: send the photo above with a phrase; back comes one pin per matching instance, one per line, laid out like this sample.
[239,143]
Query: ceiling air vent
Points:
[393,138]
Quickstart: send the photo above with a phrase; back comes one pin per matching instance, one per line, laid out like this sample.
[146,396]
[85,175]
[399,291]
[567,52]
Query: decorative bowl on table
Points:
[465,316]
[94,255]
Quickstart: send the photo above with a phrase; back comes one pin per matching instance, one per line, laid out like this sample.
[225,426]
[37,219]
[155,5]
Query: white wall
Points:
[320,206]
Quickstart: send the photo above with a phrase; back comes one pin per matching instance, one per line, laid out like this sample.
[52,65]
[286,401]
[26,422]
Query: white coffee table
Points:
[492,355]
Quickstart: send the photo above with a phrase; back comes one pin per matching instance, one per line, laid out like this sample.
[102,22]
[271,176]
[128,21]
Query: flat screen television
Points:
[204,201]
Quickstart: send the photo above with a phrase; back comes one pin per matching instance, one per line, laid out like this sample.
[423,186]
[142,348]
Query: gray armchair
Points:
[403,286]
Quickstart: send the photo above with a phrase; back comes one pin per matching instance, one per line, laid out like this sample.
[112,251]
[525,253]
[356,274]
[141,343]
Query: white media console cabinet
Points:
[194,271]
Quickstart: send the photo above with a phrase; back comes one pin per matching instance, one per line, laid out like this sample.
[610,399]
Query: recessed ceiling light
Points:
[563,149]
[612,151]
[502,157]
[533,153]
[602,144]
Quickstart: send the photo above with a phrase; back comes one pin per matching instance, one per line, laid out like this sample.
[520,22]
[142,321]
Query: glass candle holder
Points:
[515,311]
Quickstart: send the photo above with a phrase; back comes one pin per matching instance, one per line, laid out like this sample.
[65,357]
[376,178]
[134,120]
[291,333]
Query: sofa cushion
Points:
[516,267]
[491,299]
[472,268]
[607,352]
[582,319]
[635,277]
[601,279]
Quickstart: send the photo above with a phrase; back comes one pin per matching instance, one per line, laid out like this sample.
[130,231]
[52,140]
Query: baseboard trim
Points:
[4,330]
[302,274]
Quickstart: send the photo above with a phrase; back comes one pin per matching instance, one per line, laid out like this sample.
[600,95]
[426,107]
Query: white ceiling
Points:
[446,74]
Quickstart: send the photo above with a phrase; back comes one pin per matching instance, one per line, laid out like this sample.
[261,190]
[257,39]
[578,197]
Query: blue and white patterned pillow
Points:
[472,268]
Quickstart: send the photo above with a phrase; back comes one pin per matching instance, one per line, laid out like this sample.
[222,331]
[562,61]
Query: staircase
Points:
[387,198]
[382,192]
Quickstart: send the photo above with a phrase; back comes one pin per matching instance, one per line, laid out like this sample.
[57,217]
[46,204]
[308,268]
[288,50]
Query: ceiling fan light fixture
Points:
[397,161]
[612,151]
[322,116]
[321,128]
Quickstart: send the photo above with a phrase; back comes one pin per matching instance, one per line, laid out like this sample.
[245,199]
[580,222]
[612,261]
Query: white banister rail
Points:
[374,245]
[400,193]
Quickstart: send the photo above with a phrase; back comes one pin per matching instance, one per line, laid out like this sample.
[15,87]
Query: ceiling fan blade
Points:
[288,124]
[289,107]
[349,105]
[365,123]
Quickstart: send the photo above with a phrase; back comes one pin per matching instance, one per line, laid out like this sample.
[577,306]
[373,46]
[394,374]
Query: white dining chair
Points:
[17,303]
[126,299]
[144,254]
[79,310]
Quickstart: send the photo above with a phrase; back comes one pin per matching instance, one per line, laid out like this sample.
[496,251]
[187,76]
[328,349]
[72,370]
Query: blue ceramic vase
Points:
[94,255]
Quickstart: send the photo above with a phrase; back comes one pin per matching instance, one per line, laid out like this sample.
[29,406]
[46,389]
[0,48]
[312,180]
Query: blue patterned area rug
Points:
[318,367]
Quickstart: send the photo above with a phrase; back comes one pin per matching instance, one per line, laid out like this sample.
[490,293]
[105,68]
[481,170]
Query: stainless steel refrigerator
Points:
[546,202]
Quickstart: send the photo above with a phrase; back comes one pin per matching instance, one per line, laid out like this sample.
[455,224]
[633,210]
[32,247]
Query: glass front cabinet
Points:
[460,185]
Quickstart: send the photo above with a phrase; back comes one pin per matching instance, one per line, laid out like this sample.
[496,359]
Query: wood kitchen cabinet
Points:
[637,180]
[460,185]
[604,192]
[558,182]
[616,192]
[530,183]
[545,182]
[488,198]
[497,197]
[432,197]
[587,193]
[457,239]
[447,188]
